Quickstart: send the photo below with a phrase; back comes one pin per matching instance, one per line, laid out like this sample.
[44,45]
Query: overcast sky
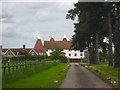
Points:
[22,22]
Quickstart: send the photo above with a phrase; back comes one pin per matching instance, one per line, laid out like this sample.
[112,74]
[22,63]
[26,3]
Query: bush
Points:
[57,54]
[63,60]
[27,57]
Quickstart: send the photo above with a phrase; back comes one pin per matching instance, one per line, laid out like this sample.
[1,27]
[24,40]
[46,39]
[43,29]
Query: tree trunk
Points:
[117,41]
[91,55]
[96,49]
[110,41]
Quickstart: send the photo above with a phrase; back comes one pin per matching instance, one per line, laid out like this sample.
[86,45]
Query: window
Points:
[17,53]
[39,53]
[33,53]
[81,54]
[75,54]
[81,50]
[8,53]
[69,54]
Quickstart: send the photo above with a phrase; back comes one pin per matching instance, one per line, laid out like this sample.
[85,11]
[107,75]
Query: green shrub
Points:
[57,54]
[63,59]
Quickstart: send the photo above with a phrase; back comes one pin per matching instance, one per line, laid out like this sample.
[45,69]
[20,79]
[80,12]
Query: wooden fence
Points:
[10,67]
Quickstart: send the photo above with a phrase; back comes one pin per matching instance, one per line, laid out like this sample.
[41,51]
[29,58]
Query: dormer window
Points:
[17,53]
[33,53]
[8,53]
[75,54]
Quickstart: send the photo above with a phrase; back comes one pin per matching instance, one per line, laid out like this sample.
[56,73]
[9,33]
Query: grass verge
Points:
[107,73]
[26,72]
[50,78]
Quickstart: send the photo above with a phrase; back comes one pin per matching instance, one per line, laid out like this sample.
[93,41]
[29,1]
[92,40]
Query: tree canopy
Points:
[95,22]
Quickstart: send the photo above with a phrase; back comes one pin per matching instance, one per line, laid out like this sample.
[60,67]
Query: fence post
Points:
[8,67]
[16,65]
[13,66]
[20,64]
[4,67]
[24,63]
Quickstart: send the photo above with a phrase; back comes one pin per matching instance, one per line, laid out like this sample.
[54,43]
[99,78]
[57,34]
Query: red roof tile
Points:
[38,46]
[64,44]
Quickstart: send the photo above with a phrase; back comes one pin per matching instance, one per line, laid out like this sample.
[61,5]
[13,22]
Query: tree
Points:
[57,54]
[117,36]
[89,24]
[95,20]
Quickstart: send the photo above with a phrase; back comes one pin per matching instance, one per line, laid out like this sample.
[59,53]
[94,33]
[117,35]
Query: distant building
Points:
[70,53]
[47,48]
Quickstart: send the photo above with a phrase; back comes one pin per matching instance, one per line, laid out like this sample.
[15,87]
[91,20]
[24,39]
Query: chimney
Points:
[1,46]
[24,46]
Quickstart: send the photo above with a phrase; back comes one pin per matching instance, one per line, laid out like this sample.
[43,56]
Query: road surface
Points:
[80,77]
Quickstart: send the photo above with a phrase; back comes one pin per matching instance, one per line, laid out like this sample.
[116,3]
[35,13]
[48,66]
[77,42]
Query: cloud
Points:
[39,0]
[23,21]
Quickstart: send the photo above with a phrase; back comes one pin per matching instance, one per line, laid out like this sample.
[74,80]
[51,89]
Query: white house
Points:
[73,55]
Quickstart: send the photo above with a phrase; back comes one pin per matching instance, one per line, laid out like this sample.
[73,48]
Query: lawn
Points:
[26,71]
[50,78]
[108,73]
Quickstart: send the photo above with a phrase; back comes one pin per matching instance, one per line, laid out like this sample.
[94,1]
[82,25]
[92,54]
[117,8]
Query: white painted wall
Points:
[48,52]
[70,53]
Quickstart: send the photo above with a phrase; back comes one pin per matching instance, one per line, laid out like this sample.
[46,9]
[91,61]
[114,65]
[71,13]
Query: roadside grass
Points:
[26,72]
[107,73]
[50,78]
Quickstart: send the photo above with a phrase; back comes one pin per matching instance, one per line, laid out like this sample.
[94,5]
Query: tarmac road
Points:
[80,77]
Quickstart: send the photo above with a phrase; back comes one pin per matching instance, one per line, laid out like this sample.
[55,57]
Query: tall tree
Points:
[89,23]
[94,20]
[110,7]
[110,40]
[117,36]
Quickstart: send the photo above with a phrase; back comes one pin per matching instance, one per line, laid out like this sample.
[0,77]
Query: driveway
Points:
[80,77]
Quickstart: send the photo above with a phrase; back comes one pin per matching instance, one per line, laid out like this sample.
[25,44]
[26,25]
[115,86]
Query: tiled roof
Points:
[4,50]
[17,50]
[64,44]
[38,46]
[52,44]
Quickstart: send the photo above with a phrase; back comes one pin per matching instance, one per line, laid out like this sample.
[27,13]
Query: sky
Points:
[21,22]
